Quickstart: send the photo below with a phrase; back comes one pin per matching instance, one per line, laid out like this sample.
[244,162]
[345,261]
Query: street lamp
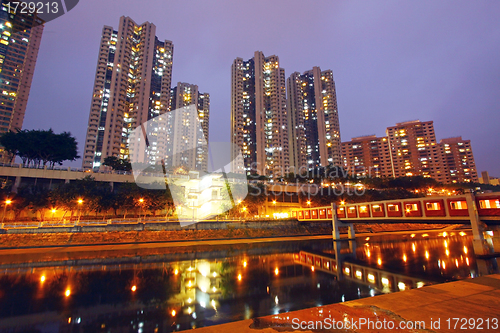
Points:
[309,202]
[80,202]
[7,202]
[141,201]
[53,212]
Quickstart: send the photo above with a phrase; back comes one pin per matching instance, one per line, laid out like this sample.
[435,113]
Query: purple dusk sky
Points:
[392,60]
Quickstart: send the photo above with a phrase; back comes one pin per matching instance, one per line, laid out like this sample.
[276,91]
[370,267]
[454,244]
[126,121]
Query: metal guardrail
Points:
[71,224]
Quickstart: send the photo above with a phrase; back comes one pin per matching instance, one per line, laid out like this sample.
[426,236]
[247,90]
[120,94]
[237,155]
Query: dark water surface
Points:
[171,289]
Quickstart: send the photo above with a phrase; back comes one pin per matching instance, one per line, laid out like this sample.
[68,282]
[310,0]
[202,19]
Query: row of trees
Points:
[40,147]
[88,195]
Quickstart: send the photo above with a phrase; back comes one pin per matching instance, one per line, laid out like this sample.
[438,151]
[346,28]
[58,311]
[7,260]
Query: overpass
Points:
[481,211]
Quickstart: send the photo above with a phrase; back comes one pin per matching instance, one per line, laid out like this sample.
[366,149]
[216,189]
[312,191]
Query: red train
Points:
[488,205]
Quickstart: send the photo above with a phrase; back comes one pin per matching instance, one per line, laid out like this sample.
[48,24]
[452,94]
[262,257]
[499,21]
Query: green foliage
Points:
[116,163]
[40,147]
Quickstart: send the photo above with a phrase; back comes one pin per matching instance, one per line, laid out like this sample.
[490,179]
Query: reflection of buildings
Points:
[19,44]
[236,283]
[132,86]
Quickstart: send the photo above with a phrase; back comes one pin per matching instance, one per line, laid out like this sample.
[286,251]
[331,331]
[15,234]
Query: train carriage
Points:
[458,207]
[434,208]
[364,210]
[378,210]
[413,209]
[488,205]
[394,209]
[352,212]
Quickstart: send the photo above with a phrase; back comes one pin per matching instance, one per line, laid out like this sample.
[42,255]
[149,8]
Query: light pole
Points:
[141,201]
[7,202]
[80,202]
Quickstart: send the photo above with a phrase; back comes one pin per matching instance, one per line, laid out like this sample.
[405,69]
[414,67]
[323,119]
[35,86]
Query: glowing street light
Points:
[7,202]
[309,202]
[141,201]
[342,203]
[80,202]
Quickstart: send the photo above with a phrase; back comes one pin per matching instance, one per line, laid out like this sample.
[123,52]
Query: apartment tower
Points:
[259,116]
[458,161]
[183,128]
[132,86]
[313,121]
[367,156]
[20,37]
[414,150]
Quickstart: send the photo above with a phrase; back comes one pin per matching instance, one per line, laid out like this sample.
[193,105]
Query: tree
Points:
[118,164]
[40,147]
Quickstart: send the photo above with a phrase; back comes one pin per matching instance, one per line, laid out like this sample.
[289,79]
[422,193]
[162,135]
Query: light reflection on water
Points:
[175,289]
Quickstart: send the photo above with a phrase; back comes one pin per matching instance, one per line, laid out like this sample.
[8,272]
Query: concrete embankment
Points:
[469,305]
[172,232]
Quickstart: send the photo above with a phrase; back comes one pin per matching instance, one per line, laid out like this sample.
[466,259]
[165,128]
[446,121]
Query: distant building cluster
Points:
[133,86]
[411,149]
[279,124]
[282,128]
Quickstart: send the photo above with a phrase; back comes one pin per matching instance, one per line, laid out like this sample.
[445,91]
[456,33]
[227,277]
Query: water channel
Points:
[172,289]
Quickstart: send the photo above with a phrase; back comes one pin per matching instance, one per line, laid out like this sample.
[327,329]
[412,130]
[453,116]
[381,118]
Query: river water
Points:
[172,289]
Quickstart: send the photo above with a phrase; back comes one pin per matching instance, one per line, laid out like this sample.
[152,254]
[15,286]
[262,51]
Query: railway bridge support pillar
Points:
[337,224]
[481,246]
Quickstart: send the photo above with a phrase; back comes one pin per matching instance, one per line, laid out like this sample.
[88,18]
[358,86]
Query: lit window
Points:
[458,205]
[432,206]
[489,204]
[393,208]
[411,207]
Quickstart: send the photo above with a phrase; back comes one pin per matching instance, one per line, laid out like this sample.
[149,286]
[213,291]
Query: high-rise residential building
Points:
[458,161]
[367,156]
[20,37]
[414,150]
[132,86]
[259,116]
[183,154]
[313,120]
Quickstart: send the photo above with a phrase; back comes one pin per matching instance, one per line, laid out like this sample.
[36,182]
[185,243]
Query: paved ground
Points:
[470,305]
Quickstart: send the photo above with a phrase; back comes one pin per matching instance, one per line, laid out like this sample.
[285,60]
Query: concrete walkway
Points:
[469,305]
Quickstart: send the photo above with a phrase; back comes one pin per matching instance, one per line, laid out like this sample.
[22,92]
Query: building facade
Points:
[184,95]
[259,116]
[458,161]
[20,37]
[367,156]
[410,149]
[313,122]
[414,150]
[132,86]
